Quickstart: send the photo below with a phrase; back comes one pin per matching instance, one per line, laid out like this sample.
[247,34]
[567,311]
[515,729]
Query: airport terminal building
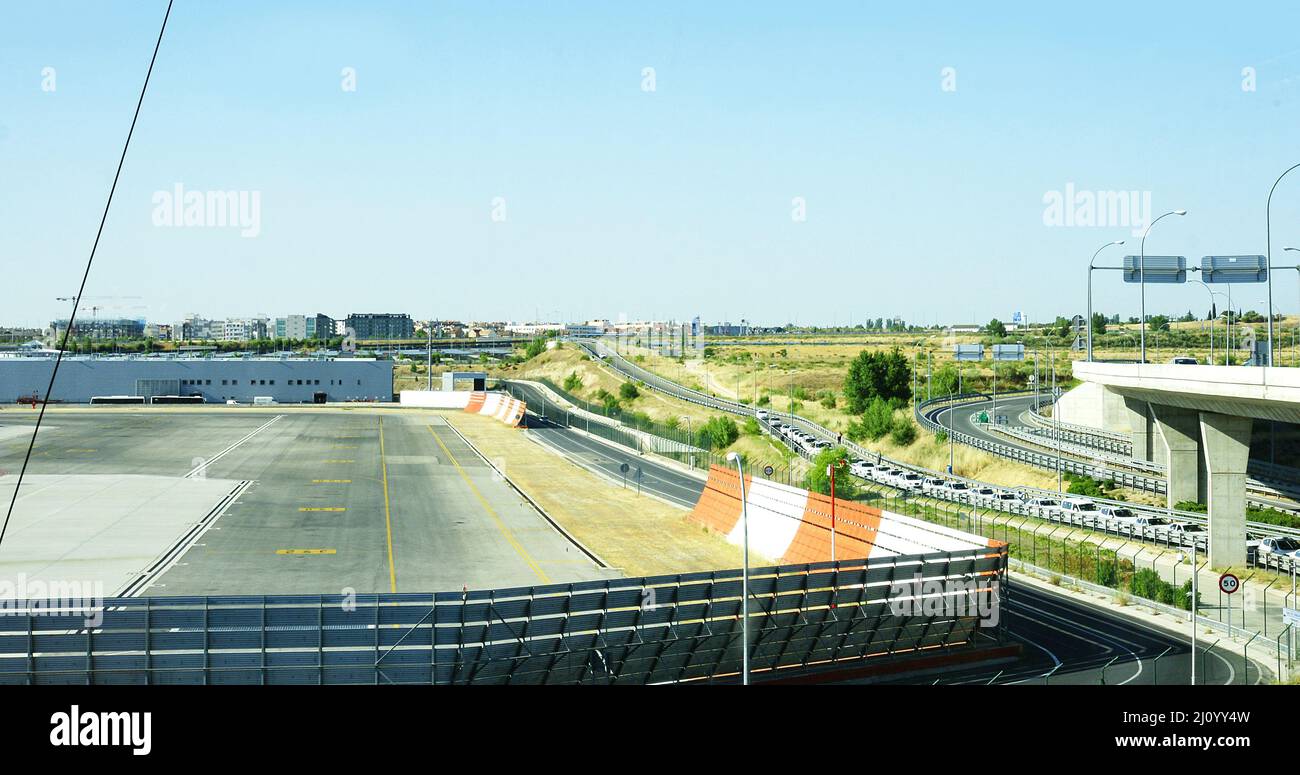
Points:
[216,380]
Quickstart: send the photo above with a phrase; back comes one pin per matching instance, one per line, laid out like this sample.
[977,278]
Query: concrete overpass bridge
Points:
[1198,421]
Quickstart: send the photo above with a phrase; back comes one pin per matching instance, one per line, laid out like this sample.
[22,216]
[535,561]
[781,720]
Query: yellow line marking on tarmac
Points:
[331,481]
[501,525]
[388,517]
[344,446]
[323,508]
[306,551]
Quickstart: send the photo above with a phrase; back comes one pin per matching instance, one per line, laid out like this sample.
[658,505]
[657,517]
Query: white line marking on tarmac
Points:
[201,468]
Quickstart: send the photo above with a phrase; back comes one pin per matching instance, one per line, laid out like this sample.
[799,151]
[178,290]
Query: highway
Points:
[1058,632]
[665,481]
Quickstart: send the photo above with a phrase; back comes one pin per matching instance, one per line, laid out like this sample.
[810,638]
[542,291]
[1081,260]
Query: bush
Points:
[628,391]
[827,399]
[878,420]
[751,427]
[535,348]
[818,481]
[903,434]
[719,432]
[875,375]
[765,400]
[672,423]
[572,382]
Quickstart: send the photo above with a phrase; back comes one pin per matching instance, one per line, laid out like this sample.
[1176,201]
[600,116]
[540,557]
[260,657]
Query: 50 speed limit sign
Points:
[1229,583]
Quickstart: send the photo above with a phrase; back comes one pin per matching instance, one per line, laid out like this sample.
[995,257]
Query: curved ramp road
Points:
[1077,639]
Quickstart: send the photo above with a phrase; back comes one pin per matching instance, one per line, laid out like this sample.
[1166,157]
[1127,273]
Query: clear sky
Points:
[921,199]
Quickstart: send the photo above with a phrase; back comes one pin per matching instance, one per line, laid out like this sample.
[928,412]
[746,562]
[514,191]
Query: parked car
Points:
[1046,507]
[1278,550]
[910,481]
[1080,510]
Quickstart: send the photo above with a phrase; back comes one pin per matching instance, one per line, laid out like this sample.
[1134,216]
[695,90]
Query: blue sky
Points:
[920,202]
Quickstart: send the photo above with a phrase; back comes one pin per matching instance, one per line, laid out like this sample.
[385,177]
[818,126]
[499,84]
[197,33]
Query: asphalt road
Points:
[376,501]
[1081,644]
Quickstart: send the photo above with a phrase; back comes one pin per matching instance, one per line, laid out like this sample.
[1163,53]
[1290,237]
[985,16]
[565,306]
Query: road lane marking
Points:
[340,461]
[501,525]
[344,446]
[201,469]
[388,517]
[306,551]
[323,508]
[331,481]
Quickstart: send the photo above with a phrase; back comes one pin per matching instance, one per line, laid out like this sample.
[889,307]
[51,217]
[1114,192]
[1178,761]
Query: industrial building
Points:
[215,379]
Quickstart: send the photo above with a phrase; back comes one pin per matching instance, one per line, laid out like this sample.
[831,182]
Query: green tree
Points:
[628,391]
[996,328]
[903,433]
[818,480]
[875,375]
[1158,322]
[572,382]
[876,422]
[719,432]
[1098,324]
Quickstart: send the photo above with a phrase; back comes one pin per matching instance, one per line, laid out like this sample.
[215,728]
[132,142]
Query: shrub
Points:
[628,391]
[572,382]
[719,432]
[535,348]
[817,479]
[903,433]
[878,420]
[751,427]
[827,399]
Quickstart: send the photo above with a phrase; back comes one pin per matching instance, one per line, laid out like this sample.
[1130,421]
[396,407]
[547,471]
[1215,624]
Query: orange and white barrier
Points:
[499,405]
[792,525]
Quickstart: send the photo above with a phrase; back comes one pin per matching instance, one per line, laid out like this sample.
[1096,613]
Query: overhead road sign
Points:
[1008,352]
[968,352]
[1234,269]
[1158,269]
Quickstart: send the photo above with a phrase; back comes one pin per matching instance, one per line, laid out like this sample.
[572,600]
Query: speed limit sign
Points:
[1229,583]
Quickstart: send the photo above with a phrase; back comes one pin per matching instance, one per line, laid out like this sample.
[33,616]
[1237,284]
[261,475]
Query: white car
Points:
[931,485]
[1043,506]
[909,480]
[1081,510]
[1279,549]
[957,491]
[1186,532]
[861,468]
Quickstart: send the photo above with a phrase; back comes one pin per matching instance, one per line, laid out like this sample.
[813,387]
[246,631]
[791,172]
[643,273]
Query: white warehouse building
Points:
[216,380]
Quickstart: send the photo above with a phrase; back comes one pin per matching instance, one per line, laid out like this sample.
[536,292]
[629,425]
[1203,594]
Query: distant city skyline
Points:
[517,162]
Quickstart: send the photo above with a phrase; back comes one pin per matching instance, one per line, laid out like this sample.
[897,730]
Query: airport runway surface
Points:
[369,501]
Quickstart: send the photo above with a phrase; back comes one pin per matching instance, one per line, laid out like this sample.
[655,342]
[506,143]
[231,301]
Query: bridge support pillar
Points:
[1139,424]
[1226,441]
[1180,433]
[1114,415]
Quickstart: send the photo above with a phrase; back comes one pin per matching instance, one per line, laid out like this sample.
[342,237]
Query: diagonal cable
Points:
[63,343]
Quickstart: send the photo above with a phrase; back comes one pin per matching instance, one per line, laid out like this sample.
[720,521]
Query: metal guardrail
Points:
[658,629]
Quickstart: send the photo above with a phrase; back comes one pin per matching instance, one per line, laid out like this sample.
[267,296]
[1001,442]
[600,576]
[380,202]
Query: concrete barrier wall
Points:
[792,525]
[435,399]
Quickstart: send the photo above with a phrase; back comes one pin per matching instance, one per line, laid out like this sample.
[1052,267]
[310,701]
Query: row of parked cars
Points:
[792,435]
[1274,551]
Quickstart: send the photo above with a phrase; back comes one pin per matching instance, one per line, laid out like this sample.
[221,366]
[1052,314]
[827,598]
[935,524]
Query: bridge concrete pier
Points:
[1226,440]
[1139,423]
[1180,432]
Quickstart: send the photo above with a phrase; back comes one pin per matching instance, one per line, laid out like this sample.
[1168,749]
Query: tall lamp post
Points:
[1090,270]
[1142,279]
[1212,293]
[1297,269]
[1268,232]
[734,457]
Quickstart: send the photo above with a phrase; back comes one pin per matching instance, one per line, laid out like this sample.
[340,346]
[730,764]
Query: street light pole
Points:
[1090,268]
[1268,231]
[1212,317]
[1142,279]
[744,574]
